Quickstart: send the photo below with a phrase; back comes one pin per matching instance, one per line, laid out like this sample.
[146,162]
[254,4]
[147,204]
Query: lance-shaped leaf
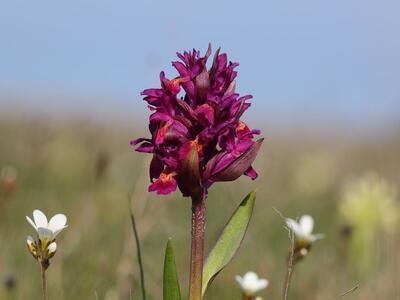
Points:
[229,241]
[239,166]
[171,290]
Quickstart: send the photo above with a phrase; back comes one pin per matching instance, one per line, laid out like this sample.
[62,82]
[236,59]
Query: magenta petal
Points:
[145,148]
[152,92]
[240,165]
[205,113]
[180,67]
[139,140]
[251,173]
[159,116]
[164,185]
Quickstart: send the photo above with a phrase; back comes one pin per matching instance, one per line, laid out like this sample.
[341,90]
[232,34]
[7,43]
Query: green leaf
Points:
[229,241]
[171,290]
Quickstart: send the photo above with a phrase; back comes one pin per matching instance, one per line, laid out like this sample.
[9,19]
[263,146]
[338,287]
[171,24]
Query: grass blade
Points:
[229,241]
[138,250]
[171,290]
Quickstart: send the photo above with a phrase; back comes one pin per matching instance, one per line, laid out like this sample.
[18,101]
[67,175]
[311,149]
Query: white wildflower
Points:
[251,284]
[303,229]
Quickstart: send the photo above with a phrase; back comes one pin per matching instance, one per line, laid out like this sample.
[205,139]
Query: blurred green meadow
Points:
[89,171]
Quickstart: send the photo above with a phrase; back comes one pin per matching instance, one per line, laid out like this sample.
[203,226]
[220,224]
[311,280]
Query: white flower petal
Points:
[306,224]
[295,227]
[251,284]
[52,248]
[315,237]
[55,233]
[250,277]
[262,284]
[45,234]
[239,279]
[31,222]
[57,222]
[40,218]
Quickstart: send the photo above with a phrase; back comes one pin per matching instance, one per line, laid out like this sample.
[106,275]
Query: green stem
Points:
[289,271]
[197,253]
[44,281]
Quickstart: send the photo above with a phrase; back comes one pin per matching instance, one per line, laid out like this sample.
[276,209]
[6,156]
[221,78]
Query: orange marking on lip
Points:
[241,126]
[166,177]
[174,84]
[199,147]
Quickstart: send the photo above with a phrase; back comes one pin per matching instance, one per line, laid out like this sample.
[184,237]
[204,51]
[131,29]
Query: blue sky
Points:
[311,60]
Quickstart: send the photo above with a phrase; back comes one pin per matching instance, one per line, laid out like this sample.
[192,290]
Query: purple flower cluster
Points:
[197,137]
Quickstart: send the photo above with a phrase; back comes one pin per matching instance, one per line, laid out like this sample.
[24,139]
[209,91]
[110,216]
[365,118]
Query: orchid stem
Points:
[44,281]
[197,253]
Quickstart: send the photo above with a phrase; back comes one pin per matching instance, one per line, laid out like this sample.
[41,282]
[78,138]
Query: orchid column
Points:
[197,138]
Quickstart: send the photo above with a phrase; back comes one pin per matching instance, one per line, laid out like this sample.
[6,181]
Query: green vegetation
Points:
[86,171]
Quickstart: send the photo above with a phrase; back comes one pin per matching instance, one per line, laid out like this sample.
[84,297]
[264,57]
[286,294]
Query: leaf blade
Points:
[138,250]
[229,241]
[171,289]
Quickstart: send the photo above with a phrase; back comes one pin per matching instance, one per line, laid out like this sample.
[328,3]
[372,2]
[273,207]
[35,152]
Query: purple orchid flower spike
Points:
[197,137]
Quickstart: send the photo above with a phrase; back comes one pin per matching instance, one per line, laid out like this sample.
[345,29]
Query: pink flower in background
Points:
[197,137]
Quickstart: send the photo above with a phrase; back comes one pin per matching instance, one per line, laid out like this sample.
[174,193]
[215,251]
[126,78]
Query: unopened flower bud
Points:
[202,84]
[51,249]
[32,247]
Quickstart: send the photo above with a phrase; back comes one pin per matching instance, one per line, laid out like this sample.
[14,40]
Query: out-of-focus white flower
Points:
[47,231]
[303,229]
[251,284]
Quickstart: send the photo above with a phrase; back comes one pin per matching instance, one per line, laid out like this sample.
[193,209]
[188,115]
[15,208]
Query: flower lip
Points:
[250,283]
[303,229]
[164,185]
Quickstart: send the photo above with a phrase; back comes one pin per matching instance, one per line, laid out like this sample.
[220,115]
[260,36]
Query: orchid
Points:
[197,137]
[303,229]
[251,284]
